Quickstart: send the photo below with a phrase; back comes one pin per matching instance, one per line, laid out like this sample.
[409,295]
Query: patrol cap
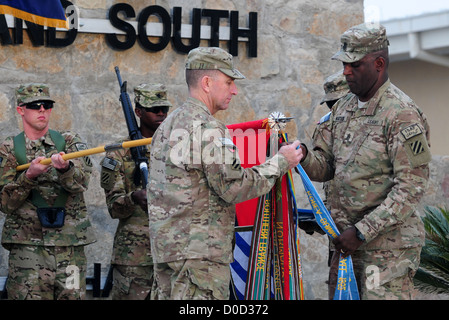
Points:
[335,87]
[32,92]
[212,58]
[151,95]
[360,40]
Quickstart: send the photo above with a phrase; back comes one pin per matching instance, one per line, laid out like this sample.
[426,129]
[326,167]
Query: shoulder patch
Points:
[109,164]
[108,176]
[80,146]
[411,131]
[83,146]
[416,145]
[226,142]
[325,118]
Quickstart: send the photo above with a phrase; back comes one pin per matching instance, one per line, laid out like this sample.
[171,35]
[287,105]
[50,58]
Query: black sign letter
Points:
[166,30]
[122,25]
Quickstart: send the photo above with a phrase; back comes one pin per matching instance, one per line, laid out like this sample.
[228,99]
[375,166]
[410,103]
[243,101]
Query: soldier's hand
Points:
[140,198]
[59,163]
[36,168]
[292,153]
[347,242]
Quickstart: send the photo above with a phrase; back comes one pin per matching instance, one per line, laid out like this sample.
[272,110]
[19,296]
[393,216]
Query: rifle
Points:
[137,153]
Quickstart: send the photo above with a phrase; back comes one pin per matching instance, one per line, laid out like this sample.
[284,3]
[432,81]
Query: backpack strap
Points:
[58,139]
[19,148]
[20,153]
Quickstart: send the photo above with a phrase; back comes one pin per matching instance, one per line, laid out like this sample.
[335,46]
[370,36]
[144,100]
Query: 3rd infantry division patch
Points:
[417,147]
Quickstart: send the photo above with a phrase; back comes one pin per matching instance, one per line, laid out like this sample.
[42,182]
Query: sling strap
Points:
[20,153]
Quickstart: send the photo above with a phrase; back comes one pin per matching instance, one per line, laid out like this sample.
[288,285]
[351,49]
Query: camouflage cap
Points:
[360,40]
[335,87]
[151,95]
[32,92]
[212,58]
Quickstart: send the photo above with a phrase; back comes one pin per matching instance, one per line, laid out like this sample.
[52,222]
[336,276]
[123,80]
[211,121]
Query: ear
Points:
[205,83]
[138,112]
[380,64]
[20,110]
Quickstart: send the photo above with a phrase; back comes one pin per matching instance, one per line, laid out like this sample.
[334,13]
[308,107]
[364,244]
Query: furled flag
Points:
[256,228]
[251,140]
[48,13]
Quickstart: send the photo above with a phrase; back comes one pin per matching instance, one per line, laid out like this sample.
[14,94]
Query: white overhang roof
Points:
[424,37]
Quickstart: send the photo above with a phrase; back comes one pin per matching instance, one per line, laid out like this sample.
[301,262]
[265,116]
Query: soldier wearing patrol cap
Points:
[335,87]
[196,178]
[131,258]
[375,148]
[47,225]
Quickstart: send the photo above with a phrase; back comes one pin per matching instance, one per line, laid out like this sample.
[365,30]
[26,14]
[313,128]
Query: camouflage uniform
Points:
[195,179]
[131,257]
[335,87]
[377,156]
[31,275]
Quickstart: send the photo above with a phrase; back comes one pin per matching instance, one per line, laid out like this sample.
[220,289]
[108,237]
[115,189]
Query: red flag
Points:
[251,139]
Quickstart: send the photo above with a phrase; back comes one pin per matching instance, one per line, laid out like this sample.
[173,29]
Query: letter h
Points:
[250,33]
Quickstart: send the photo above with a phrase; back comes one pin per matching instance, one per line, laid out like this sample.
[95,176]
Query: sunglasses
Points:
[37,105]
[156,110]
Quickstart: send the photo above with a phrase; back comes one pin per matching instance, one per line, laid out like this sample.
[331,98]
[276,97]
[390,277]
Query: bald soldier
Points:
[375,148]
[131,257]
[47,225]
[195,180]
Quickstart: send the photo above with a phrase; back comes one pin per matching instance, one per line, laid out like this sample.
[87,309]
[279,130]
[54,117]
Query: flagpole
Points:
[96,150]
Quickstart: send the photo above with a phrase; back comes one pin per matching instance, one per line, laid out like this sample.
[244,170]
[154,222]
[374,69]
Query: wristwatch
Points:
[359,235]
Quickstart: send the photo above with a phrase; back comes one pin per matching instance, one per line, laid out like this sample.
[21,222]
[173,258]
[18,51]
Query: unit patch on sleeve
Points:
[411,131]
[416,146]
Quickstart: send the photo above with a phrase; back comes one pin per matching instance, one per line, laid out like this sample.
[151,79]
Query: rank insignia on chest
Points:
[348,139]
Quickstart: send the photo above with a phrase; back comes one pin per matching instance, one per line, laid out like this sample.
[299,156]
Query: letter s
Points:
[122,25]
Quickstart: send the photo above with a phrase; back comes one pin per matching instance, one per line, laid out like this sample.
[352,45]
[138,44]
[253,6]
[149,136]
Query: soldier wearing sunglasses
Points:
[131,258]
[46,225]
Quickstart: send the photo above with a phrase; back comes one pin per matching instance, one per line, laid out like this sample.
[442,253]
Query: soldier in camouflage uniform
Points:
[131,257]
[374,145]
[194,181]
[46,251]
[335,87]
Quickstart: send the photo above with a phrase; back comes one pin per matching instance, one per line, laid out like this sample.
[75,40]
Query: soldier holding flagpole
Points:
[196,178]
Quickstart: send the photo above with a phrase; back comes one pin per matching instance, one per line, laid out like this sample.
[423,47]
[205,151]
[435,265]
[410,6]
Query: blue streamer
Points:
[346,283]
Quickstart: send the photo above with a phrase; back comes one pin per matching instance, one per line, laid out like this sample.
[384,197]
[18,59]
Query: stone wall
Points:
[296,39]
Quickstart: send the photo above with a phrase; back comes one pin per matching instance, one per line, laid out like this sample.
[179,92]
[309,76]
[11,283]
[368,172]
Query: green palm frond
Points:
[433,273]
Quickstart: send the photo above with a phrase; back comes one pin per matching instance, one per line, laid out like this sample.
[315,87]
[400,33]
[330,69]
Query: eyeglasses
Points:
[37,105]
[156,110]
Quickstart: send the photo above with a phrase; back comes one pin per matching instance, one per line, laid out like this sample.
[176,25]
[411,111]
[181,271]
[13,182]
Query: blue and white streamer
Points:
[346,284]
